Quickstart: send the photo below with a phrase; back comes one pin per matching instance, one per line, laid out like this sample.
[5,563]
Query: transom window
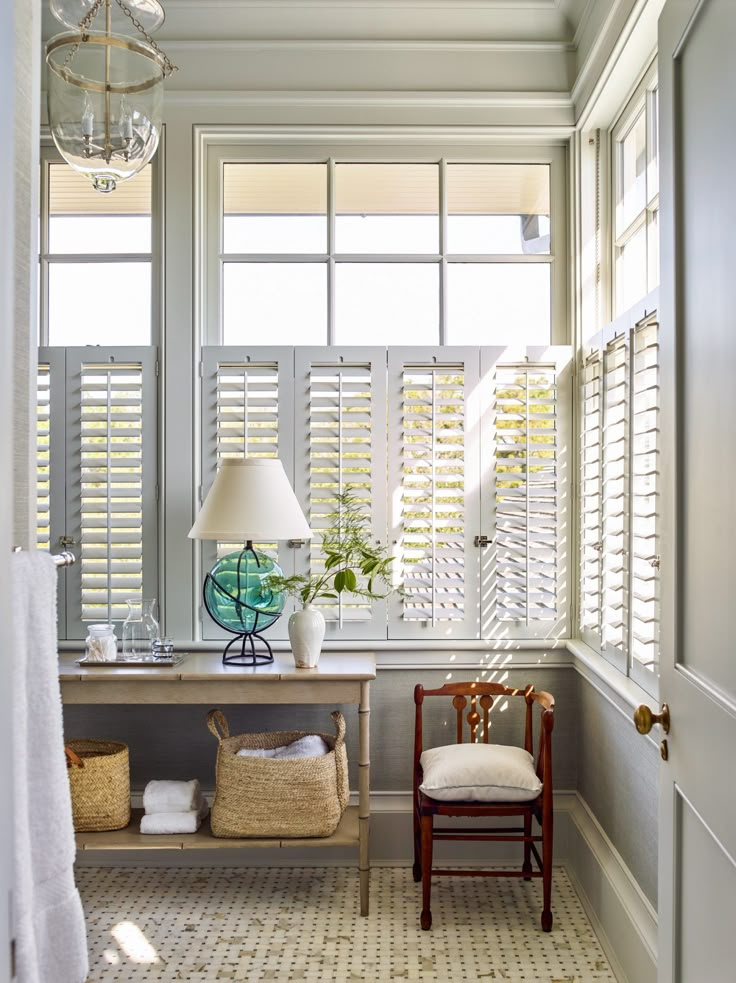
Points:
[400,253]
[636,197]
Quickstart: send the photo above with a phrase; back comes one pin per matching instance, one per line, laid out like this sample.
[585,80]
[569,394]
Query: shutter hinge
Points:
[158,491]
[158,368]
[13,967]
[295,544]
[201,369]
[480,541]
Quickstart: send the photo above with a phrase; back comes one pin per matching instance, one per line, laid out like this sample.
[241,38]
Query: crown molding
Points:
[380,100]
[376,46]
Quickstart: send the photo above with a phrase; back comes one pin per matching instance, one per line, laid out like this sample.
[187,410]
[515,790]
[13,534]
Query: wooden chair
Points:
[426,808]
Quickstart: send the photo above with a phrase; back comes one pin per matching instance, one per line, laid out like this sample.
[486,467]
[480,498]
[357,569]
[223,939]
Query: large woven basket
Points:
[269,797]
[99,778]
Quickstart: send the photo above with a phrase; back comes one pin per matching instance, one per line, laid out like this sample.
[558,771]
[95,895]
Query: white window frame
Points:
[644,101]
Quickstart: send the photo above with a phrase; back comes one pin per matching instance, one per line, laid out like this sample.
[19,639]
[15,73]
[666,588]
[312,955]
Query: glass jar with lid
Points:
[101,643]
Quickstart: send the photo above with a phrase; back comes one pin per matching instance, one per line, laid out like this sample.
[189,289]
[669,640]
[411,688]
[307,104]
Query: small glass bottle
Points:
[140,629]
[101,643]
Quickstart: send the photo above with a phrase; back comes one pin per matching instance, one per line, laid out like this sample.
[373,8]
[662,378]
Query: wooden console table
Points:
[202,679]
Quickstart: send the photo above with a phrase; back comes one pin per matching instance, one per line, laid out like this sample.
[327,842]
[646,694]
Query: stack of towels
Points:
[309,746]
[173,807]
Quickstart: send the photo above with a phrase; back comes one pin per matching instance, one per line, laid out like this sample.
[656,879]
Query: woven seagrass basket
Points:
[268,797]
[99,778]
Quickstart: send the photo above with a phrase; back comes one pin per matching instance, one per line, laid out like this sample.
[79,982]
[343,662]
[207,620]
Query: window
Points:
[619,480]
[97,464]
[349,307]
[346,252]
[636,197]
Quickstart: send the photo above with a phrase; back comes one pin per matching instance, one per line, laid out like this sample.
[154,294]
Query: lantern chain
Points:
[169,67]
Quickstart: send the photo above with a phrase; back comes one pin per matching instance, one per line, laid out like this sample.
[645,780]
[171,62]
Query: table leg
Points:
[364,809]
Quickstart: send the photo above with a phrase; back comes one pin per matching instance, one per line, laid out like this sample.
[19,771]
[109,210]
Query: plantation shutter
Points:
[591,532]
[43,457]
[644,596]
[112,499]
[343,448]
[434,491]
[614,555]
[526,498]
[247,404]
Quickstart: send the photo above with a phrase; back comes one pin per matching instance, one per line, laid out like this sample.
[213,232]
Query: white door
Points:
[697,879]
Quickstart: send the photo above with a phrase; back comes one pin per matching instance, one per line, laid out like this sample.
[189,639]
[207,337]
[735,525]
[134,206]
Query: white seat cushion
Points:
[479,773]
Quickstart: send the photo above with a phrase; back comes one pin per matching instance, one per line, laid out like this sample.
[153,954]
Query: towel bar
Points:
[63,559]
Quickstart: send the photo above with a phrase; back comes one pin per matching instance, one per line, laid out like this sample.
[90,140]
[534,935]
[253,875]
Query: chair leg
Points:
[426,919]
[417,869]
[547,872]
[526,868]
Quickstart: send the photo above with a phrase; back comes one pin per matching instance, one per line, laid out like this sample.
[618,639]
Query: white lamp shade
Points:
[250,498]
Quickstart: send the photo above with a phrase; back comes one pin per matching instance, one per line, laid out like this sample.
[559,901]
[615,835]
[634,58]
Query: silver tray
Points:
[169,660]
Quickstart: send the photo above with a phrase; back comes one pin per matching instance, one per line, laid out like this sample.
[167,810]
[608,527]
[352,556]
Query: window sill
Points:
[610,682]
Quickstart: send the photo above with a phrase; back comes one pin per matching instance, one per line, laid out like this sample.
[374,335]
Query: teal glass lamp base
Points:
[237,599]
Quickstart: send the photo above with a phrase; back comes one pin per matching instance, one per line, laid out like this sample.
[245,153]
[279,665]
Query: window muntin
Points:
[635,145]
[426,216]
[95,248]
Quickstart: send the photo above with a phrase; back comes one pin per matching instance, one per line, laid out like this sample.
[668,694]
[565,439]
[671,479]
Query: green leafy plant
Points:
[354,564]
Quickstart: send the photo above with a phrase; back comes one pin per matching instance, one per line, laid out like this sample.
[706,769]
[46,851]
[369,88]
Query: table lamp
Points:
[250,499]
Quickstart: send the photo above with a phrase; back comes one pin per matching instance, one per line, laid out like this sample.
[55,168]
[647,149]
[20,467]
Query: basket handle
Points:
[339,722]
[217,724]
[72,758]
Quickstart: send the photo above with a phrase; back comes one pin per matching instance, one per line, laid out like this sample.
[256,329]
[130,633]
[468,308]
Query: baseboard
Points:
[624,920]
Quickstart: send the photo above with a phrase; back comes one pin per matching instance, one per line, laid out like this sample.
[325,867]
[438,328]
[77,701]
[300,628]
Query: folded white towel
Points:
[174,822]
[309,746]
[166,796]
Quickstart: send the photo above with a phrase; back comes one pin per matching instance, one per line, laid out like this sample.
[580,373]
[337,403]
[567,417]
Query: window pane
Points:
[275,304]
[631,271]
[81,220]
[653,250]
[387,304]
[498,208]
[387,208]
[275,208]
[653,167]
[632,180]
[99,303]
[498,303]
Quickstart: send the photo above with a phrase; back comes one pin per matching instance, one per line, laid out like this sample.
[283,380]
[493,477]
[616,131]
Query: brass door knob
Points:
[645,719]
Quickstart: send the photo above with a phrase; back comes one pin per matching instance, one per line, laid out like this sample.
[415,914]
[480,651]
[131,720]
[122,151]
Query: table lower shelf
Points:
[131,838]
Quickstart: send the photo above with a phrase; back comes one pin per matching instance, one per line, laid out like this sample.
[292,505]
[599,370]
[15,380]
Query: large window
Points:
[97,471]
[389,325]
[636,197]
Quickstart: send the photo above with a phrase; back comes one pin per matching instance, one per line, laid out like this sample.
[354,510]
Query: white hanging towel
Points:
[51,941]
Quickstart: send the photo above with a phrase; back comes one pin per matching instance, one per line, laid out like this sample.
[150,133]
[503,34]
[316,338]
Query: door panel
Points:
[704,871]
[697,882]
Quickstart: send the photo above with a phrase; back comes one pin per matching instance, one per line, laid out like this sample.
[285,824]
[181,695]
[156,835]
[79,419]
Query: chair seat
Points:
[478,773]
[466,807]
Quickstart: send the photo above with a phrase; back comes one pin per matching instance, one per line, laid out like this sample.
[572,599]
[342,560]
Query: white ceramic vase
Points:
[306,633]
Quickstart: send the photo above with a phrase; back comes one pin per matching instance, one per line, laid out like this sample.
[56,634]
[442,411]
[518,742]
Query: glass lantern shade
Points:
[105,104]
[148,13]
[236,595]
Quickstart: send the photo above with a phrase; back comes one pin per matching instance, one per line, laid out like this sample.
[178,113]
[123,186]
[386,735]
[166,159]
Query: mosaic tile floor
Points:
[168,924]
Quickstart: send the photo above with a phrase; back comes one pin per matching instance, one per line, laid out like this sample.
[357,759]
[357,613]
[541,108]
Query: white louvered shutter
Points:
[246,412]
[614,555]
[591,529]
[644,595]
[434,491]
[524,504]
[343,447]
[111,501]
[43,457]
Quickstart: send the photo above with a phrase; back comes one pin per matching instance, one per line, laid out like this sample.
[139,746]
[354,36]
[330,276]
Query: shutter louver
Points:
[591,533]
[43,457]
[247,421]
[111,488]
[526,494]
[432,520]
[614,556]
[644,480]
[341,457]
